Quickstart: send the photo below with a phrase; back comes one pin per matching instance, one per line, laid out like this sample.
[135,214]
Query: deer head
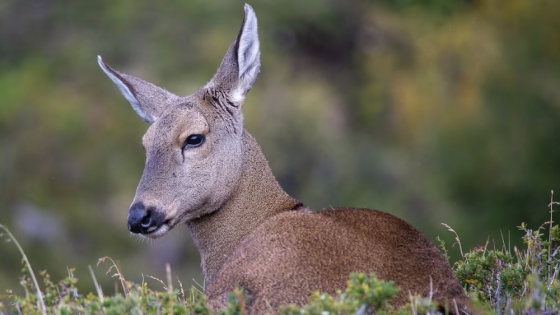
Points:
[194,144]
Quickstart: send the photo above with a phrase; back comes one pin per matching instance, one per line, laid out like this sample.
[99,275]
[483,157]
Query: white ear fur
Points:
[125,90]
[248,55]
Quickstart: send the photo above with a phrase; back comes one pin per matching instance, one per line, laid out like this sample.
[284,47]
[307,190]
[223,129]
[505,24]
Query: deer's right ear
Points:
[241,64]
[147,100]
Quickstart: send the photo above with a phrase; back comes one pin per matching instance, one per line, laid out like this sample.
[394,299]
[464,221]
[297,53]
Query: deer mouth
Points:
[157,231]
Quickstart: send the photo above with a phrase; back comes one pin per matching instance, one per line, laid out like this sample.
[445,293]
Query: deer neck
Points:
[257,198]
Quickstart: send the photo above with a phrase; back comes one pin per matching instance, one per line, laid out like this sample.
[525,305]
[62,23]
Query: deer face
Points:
[192,166]
[194,144]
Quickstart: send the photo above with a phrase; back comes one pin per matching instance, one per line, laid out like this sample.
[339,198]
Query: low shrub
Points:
[499,281]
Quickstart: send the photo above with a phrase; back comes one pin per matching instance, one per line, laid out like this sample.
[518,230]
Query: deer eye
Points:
[193,141]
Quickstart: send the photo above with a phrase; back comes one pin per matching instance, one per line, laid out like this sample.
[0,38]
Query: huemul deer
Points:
[203,169]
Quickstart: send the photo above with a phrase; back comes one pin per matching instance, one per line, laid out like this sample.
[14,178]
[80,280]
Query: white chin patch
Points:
[158,232]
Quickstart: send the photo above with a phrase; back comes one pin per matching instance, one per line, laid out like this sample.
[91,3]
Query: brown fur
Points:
[249,232]
[290,253]
[295,253]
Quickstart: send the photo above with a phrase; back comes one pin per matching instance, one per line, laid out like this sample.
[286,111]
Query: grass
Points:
[38,294]
[498,281]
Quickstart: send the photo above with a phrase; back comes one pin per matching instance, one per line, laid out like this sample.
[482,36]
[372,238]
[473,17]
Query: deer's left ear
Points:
[147,100]
[241,64]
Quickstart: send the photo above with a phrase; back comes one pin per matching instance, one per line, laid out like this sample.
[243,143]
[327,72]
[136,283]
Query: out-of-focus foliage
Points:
[436,111]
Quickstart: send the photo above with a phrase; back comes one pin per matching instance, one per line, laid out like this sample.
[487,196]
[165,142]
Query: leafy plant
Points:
[522,280]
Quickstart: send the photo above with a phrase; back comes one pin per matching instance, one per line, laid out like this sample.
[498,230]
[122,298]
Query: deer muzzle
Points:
[145,220]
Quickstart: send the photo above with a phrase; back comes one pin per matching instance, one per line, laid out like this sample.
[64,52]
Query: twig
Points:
[169,286]
[118,274]
[96,284]
[550,233]
[169,281]
[201,286]
[160,281]
[456,239]
[182,291]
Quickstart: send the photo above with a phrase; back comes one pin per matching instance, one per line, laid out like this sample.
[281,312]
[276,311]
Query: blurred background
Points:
[435,111]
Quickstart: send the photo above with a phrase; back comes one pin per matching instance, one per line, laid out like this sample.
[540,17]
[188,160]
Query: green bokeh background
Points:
[435,111]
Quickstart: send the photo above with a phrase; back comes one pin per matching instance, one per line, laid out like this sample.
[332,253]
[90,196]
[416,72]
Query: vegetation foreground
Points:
[498,281]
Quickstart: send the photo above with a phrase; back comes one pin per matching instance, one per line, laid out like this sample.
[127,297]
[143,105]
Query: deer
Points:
[204,170]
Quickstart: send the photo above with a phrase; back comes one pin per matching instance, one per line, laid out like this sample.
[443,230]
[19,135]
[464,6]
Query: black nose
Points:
[142,220]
